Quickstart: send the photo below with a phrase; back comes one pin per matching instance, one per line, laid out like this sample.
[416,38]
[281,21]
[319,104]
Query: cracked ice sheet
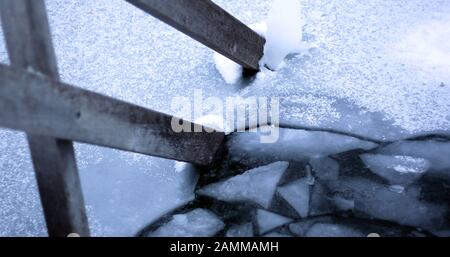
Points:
[332,230]
[366,76]
[398,170]
[256,185]
[123,192]
[126,191]
[297,194]
[113,48]
[269,220]
[292,145]
[381,69]
[195,223]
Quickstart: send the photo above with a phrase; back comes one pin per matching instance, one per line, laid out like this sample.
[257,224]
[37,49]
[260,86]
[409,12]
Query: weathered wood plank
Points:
[29,46]
[212,26]
[59,185]
[38,104]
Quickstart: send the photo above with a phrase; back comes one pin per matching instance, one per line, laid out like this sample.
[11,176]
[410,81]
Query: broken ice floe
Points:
[268,220]
[332,230]
[276,234]
[378,201]
[324,201]
[293,144]
[397,188]
[309,179]
[398,170]
[343,204]
[357,205]
[297,195]
[241,230]
[257,185]
[124,193]
[320,202]
[196,223]
[325,168]
[332,226]
[435,151]
[352,59]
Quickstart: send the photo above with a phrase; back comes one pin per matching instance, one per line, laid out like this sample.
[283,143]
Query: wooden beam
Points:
[29,45]
[212,26]
[38,104]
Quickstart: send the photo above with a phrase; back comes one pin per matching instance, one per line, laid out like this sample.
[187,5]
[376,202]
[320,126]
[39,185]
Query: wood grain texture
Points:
[29,46]
[212,26]
[38,104]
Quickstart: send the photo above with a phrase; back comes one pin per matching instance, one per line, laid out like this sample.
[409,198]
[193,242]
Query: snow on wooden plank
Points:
[212,26]
[29,46]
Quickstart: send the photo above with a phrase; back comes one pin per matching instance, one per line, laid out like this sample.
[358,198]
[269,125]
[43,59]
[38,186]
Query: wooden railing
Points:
[53,114]
[212,26]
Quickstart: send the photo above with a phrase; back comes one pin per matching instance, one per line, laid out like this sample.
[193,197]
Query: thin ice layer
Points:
[196,223]
[435,151]
[268,220]
[398,170]
[325,168]
[297,194]
[293,144]
[332,230]
[379,56]
[240,230]
[257,185]
[379,202]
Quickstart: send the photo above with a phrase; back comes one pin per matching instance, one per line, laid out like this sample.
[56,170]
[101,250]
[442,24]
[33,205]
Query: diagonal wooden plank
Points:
[212,26]
[36,103]
[29,45]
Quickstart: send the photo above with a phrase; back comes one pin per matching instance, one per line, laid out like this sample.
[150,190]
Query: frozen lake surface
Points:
[380,71]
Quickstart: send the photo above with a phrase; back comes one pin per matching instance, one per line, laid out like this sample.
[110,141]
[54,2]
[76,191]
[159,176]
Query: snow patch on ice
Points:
[268,220]
[230,71]
[257,185]
[427,46]
[260,28]
[196,223]
[283,34]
